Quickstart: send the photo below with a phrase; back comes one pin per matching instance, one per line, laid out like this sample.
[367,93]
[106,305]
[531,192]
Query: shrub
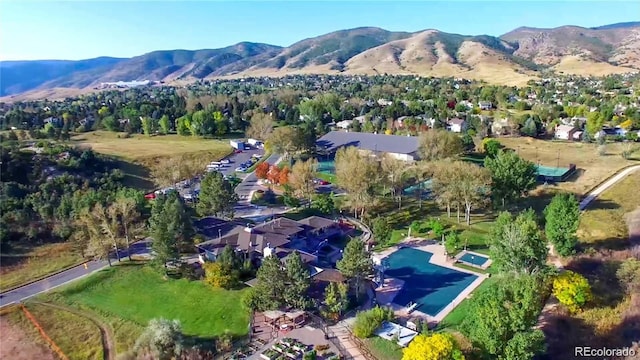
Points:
[572,290]
[368,321]
[439,346]
[311,355]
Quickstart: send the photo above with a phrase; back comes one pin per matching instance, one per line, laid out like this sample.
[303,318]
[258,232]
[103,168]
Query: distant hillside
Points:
[512,58]
[617,45]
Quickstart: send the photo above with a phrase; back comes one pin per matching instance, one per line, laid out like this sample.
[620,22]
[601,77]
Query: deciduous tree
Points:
[262,169]
[356,173]
[395,176]
[440,144]
[562,217]
[516,244]
[501,311]
[162,340]
[572,290]
[303,173]
[439,346]
[511,175]
[260,127]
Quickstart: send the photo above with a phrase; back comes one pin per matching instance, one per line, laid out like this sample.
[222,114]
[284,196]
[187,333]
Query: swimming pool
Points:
[433,287]
[474,259]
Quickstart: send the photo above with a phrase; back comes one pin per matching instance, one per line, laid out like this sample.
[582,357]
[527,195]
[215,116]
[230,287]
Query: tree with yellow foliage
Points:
[434,347]
[572,290]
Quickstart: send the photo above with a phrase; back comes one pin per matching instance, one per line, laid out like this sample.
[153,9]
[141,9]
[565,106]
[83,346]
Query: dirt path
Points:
[108,344]
[17,345]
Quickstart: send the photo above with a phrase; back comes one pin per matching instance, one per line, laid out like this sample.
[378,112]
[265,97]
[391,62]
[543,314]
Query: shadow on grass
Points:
[135,175]
[604,244]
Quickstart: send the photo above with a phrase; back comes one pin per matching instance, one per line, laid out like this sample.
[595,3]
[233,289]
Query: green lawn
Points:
[455,317]
[138,294]
[327,177]
[383,349]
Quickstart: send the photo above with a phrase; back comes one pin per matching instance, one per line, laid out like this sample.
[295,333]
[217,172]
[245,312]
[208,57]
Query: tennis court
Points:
[548,173]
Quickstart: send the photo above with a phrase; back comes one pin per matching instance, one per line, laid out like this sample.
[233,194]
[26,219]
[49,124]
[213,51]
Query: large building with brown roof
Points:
[278,237]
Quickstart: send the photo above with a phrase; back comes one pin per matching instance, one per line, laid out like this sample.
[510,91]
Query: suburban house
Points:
[501,127]
[485,105]
[344,124]
[401,147]
[279,237]
[456,125]
[565,132]
[53,121]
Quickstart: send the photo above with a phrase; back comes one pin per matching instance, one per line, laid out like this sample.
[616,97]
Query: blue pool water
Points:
[474,259]
[433,287]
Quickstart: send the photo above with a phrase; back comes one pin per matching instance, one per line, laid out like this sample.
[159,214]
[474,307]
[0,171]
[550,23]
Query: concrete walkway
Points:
[607,184]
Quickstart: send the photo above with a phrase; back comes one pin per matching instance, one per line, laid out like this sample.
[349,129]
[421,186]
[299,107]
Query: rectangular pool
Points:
[433,287]
[474,259]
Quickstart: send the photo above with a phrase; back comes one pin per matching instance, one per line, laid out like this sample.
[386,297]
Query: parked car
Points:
[256,156]
[324,182]
[241,169]
[237,151]
[225,161]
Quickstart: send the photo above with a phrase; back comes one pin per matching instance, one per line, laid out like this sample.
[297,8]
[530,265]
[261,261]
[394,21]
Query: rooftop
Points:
[372,142]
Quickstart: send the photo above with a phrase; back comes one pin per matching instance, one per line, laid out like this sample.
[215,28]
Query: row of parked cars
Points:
[247,164]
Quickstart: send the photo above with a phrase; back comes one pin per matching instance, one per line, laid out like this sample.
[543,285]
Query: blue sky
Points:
[84,29]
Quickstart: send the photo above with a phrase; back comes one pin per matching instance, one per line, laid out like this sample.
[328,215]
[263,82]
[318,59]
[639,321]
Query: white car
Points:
[256,156]
[241,169]
[225,161]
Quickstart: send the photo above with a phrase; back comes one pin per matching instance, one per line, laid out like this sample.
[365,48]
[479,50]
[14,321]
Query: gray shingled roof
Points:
[372,142]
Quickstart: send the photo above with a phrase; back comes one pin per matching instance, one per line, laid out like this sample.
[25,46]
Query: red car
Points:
[150,196]
[237,151]
[323,182]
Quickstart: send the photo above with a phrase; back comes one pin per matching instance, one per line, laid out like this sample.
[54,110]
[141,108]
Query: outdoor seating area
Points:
[281,321]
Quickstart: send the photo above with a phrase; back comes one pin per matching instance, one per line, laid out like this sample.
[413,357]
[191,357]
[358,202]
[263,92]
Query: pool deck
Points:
[386,293]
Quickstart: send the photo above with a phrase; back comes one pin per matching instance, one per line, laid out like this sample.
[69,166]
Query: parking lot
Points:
[187,188]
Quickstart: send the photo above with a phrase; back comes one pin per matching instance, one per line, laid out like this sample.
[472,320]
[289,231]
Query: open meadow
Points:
[138,153]
[28,264]
[604,223]
[591,167]
[127,296]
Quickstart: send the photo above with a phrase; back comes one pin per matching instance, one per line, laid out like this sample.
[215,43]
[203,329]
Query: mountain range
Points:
[510,59]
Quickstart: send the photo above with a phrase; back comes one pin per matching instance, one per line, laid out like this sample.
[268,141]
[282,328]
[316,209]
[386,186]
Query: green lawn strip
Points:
[78,337]
[455,317]
[383,349]
[137,294]
[326,177]
[264,158]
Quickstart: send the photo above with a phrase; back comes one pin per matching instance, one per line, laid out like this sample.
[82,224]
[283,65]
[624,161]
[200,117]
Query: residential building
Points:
[400,147]
[278,237]
[485,105]
[565,132]
[456,125]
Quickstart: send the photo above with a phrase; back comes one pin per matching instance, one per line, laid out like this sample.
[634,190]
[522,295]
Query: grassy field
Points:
[67,330]
[603,223]
[592,168]
[24,265]
[137,294]
[139,153]
[383,349]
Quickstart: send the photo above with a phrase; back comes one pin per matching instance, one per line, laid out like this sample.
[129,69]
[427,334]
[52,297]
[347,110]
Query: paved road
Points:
[607,184]
[250,183]
[27,291]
